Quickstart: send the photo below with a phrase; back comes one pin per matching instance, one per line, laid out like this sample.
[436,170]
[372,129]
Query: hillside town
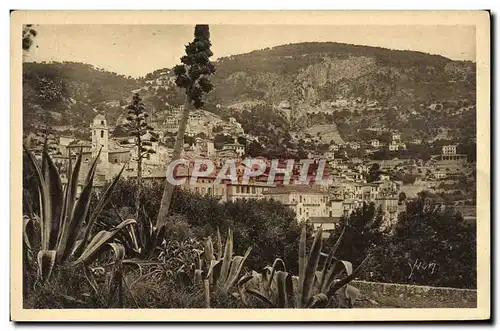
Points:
[349,180]
[309,174]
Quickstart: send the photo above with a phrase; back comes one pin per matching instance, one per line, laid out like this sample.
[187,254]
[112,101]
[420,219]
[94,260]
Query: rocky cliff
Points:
[349,87]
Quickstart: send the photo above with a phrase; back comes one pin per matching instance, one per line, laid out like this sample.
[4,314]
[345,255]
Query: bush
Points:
[429,245]
[266,225]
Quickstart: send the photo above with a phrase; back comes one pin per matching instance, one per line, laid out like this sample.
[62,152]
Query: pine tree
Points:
[137,126]
[192,76]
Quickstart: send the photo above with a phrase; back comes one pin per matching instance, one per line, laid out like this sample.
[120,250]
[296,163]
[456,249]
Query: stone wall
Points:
[406,296]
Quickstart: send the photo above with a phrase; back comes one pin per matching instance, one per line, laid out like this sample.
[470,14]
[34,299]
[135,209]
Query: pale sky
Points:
[138,49]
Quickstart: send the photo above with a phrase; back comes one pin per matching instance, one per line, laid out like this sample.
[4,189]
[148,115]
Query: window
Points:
[102,133]
[237,189]
[253,189]
[300,198]
[248,189]
[116,160]
[102,122]
[300,211]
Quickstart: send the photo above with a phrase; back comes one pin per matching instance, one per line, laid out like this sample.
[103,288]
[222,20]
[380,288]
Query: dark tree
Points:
[430,245]
[364,232]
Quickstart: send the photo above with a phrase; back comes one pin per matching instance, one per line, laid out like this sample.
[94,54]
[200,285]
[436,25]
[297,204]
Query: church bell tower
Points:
[100,133]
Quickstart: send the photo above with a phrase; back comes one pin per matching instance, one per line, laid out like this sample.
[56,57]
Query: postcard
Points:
[250,165]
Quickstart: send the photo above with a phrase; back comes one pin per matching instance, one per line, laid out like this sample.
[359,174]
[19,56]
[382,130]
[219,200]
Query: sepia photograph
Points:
[278,166]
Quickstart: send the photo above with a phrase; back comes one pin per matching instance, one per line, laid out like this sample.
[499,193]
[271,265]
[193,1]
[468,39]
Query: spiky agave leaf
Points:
[236,266]
[273,269]
[69,198]
[68,239]
[28,231]
[285,289]
[214,271]
[42,193]
[116,284]
[46,261]
[261,296]
[336,286]
[90,175]
[337,268]
[198,277]
[89,275]
[241,287]
[329,259]
[206,287]
[103,201]
[130,237]
[244,279]
[219,245]
[209,250]
[183,277]
[105,198]
[99,240]
[310,270]
[56,198]
[350,294]
[328,278]
[302,264]
[228,254]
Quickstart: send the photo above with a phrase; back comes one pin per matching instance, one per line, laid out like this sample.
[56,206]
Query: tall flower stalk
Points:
[192,76]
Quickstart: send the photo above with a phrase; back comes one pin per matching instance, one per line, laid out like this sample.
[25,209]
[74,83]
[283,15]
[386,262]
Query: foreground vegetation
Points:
[78,256]
[141,245]
[113,260]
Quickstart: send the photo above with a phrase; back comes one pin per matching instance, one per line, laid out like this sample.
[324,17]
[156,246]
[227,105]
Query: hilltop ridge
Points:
[349,87]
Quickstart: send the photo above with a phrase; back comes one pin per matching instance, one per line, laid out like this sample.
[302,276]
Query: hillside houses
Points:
[323,203]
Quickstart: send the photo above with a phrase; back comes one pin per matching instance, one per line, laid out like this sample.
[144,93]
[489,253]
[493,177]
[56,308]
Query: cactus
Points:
[217,271]
[65,230]
[312,288]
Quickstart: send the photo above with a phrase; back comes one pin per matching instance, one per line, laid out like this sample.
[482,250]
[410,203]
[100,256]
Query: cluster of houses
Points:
[396,144]
[199,121]
[323,204]
[117,152]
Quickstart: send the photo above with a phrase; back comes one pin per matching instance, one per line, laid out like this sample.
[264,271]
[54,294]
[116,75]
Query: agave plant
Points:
[217,271]
[142,241]
[175,260]
[274,287]
[65,226]
[312,288]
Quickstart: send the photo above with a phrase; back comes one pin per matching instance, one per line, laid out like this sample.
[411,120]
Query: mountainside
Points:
[66,96]
[348,88]
[313,72]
